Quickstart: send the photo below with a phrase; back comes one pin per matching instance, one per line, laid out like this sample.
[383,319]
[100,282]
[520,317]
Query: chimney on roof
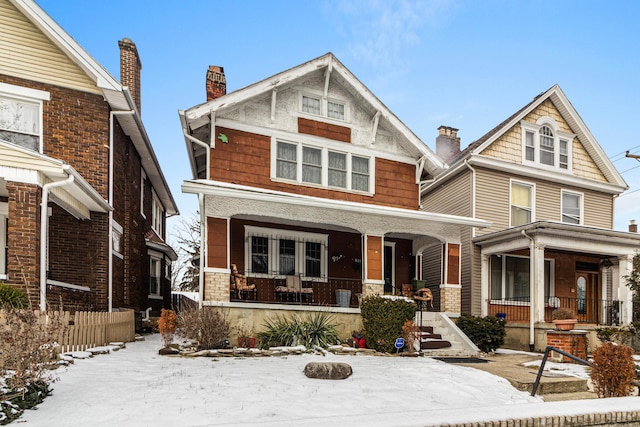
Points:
[130,67]
[633,227]
[216,82]
[447,143]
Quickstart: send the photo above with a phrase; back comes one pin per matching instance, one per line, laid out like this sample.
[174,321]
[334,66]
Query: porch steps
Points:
[441,337]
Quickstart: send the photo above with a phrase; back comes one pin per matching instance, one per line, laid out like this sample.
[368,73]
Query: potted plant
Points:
[564,318]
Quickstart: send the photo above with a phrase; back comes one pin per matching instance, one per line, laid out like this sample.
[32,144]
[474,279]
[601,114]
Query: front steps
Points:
[441,337]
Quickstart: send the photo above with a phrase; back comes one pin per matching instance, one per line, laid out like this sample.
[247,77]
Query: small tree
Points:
[168,323]
[186,272]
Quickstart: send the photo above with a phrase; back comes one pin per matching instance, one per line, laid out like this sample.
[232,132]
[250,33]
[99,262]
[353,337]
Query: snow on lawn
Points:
[138,387]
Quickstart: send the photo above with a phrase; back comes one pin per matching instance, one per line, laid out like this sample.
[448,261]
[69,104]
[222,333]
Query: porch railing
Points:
[324,292]
[588,310]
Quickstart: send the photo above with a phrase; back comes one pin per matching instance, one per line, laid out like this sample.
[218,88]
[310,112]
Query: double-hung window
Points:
[522,196]
[510,278]
[21,116]
[279,253]
[316,105]
[571,207]
[321,166]
[154,276]
[545,145]
[157,215]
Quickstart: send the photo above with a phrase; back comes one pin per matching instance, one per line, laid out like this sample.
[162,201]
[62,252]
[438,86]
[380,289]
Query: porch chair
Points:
[239,286]
[293,286]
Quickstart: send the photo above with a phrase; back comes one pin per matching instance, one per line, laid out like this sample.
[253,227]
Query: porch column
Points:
[624,292]
[373,255]
[451,289]
[537,297]
[216,256]
[485,291]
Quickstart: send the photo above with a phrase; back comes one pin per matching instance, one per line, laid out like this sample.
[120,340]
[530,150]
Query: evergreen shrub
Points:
[11,296]
[383,319]
[486,332]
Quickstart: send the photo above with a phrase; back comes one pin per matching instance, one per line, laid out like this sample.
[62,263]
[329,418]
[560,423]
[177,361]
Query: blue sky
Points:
[466,64]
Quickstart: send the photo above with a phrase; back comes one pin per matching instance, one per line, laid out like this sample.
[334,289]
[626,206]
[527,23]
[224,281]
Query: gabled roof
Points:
[116,95]
[573,119]
[199,115]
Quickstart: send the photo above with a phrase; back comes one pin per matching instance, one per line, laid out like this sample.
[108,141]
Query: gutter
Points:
[196,141]
[44,227]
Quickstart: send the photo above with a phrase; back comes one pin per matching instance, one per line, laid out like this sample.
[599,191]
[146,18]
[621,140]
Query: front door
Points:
[389,276]
[587,294]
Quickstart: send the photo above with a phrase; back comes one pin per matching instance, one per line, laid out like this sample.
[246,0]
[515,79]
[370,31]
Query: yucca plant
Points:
[313,330]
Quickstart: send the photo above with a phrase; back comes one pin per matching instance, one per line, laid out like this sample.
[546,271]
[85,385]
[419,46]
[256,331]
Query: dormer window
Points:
[545,145]
[332,108]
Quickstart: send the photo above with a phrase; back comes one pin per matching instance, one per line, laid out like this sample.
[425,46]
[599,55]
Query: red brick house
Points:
[309,184]
[83,200]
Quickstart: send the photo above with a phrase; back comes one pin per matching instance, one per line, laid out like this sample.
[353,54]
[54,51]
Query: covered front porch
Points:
[530,271]
[305,251]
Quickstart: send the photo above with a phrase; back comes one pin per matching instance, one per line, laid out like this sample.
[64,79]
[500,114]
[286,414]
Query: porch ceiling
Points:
[554,235]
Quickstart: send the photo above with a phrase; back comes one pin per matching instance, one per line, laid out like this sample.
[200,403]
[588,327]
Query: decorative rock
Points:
[168,351]
[328,370]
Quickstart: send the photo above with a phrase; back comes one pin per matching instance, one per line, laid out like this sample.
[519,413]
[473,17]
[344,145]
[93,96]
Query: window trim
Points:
[324,107]
[159,277]
[28,95]
[503,301]
[274,235]
[324,166]
[157,217]
[117,230]
[532,186]
[580,205]
[558,135]
[143,180]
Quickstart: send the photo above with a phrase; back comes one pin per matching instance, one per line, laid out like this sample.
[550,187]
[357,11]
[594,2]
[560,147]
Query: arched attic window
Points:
[545,145]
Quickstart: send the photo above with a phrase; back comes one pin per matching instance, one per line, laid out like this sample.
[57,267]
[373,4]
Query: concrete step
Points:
[578,395]
[553,386]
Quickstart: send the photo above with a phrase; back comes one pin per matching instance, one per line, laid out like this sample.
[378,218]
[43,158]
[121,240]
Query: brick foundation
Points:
[574,342]
[450,298]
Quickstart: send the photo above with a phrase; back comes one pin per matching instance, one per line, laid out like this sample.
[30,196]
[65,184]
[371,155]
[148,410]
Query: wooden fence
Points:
[86,329]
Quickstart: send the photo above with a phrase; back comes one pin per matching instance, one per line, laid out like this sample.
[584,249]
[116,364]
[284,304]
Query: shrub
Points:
[208,327]
[167,325]
[28,352]
[411,334]
[563,313]
[618,335]
[383,319]
[11,296]
[613,370]
[486,332]
[314,330]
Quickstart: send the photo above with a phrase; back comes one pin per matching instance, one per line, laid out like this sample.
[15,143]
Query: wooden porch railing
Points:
[597,311]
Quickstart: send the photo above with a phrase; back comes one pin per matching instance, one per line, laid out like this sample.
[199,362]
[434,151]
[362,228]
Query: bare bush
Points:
[208,327]
[613,370]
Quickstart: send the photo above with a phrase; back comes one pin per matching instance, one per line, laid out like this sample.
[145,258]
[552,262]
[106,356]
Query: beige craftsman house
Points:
[309,186]
[83,200]
[548,188]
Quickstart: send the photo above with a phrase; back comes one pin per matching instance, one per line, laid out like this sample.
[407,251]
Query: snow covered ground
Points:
[138,387]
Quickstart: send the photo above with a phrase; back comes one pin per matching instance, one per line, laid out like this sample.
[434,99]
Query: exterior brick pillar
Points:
[573,342]
[216,286]
[369,289]
[450,299]
[23,238]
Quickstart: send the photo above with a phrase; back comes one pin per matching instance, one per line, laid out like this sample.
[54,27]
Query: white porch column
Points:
[485,293]
[624,293]
[537,298]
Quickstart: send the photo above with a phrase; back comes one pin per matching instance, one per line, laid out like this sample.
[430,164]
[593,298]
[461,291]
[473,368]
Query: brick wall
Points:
[572,342]
[216,287]
[23,255]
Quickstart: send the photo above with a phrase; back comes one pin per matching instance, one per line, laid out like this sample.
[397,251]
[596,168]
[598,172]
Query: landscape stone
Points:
[328,370]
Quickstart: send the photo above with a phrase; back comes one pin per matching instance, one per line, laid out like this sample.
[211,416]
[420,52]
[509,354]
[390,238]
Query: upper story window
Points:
[143,184]
[522,196]
[21,116]
[116,239]
[315,165]
[316,105]
[545,145]
[572,207]
[157,215]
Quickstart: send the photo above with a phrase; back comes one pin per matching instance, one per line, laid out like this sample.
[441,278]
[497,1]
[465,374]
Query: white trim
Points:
[143,179]
[25,93]
[32,97]
[324,107]
[216,188]
[282,307]
[68,285]
[532,200]
[450,286]
[392,245]
[216,270]
[581,203]
[155,296]
[558,136]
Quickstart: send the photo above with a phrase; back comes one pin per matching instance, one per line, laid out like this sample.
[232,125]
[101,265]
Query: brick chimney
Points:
[130,67]
[633,227]
[447,143]
[216,82]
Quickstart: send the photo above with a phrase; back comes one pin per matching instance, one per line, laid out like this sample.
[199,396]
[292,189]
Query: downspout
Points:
[44,234]
[532,281]
[202,249]
[200,143]
[110,255]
